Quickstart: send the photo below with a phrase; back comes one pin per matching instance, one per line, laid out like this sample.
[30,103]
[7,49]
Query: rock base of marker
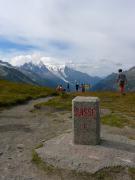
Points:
[61,153]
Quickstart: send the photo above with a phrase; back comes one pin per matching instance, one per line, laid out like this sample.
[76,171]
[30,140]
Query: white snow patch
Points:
[58,70]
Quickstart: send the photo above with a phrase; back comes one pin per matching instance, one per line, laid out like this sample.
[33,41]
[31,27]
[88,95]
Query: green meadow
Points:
[17,93]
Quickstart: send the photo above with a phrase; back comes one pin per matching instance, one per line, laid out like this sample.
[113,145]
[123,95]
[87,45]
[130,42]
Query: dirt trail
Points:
[20,132]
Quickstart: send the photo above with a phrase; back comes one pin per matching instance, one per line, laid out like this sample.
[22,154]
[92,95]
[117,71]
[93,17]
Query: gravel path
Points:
[20,132]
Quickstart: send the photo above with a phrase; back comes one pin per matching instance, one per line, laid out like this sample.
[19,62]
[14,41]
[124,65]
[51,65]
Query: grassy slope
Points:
[16,93]
[122,107]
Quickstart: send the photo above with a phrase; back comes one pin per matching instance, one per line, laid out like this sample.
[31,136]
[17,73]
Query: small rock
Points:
[10,166]
[1,153]
[20,146]
[8,147]
[9,157]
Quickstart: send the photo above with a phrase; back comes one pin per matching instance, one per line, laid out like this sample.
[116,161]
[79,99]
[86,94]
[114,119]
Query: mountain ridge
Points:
[60,74]
[9,72]
[47,75]
[51,75]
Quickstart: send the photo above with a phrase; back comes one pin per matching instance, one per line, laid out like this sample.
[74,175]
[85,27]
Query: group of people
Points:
[81,87]
[121,80]
[78,87]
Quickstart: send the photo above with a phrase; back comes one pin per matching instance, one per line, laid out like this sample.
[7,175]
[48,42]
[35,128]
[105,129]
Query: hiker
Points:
[77,87]
[59,88]
[121,80]
[68,87]
[83,87]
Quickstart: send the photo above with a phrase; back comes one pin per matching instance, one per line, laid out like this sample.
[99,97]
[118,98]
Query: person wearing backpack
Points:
[122,81]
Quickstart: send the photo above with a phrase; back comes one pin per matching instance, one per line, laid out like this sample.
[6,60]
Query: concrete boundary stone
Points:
[86,120]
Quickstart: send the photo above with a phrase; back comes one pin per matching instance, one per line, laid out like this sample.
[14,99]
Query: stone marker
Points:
[86,120]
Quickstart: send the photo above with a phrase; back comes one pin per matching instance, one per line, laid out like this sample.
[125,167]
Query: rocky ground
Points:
[22,129]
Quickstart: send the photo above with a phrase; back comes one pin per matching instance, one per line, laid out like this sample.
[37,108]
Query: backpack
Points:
[122,78]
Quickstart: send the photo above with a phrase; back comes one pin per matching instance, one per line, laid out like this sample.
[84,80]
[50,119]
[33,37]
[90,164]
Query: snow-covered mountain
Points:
[40,74]
[58,71]
[52,75]
[71,75]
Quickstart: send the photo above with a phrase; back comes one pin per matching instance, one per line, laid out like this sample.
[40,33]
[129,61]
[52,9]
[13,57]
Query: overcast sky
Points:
[95,36]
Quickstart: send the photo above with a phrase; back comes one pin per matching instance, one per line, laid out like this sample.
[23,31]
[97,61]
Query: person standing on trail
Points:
[59,88]
[83,87]
[77,87]
[68,87]
[121,80]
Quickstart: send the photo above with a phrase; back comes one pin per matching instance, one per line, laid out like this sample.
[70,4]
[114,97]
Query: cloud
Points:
[85,32]
[36,59]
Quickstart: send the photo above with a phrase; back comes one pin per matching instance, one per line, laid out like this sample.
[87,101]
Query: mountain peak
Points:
[2,63]
[58,70]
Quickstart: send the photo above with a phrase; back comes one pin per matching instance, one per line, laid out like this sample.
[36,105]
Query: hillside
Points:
[131,78]
[74,75]
[109,84]
[16,93]
[8,72]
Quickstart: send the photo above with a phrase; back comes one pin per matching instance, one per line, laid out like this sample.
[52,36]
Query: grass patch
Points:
[131,171]
[115,101]
[131,137]
[108,173]
[38,161]
[115,120]
[61,102]
[39,146]
[103,174]
[17,93]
